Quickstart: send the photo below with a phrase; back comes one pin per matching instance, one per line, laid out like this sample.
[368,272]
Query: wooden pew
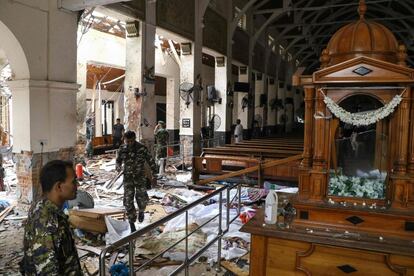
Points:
[232,157]
[286,170]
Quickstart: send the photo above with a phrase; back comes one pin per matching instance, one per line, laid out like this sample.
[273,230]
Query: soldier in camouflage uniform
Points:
[161,138]
[134,155]
[49,248]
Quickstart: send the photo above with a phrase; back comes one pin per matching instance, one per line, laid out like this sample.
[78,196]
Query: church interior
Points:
[289,130]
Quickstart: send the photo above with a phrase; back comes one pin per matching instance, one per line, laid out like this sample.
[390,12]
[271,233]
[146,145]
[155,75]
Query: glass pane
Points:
[360,166]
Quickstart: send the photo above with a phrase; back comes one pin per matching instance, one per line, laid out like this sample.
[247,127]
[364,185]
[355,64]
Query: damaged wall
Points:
[96,47]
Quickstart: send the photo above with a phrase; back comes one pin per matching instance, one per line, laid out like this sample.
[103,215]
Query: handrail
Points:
[163,220]
[188,260]
[251,169]
[131,237]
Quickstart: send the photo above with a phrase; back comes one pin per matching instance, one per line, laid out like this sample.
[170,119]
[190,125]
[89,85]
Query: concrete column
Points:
[251,77]
[281,111]
[140,108]
[190,115]
[242,113]
[148,104]
[235,99]
[229,74]
[132,84]
[258,108]
[289,108]
[220,83]
[271,113]
[46,131]
[173,109]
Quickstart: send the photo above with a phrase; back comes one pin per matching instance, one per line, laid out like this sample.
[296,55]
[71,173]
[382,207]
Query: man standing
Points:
[238,132]
[49,248]
[89,136]
[161,137]
[117,133]
[134,155]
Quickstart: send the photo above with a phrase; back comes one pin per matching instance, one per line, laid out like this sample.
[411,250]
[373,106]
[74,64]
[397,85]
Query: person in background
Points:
[133,155]
[238,132]
[117,133]
[49,248]
[89,137]
[161,137]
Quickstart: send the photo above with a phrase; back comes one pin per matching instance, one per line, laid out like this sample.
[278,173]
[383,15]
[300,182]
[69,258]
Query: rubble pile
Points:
[101,188]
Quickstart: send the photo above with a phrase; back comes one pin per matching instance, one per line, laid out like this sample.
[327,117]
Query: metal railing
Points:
[177,153]
[130,239]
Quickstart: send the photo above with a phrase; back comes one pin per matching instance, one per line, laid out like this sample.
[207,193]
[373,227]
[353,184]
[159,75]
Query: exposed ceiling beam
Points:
[318,8]
[340,22]
[78,5]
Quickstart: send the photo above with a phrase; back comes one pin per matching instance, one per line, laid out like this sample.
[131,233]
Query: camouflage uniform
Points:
[49,248]
[135,180]
[89,137]
[161,136]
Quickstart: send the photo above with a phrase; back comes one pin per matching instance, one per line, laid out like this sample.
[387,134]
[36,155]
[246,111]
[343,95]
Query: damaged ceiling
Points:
[305,26]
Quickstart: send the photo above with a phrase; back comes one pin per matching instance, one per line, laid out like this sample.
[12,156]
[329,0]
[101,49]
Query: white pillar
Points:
[271,113]
[258,108]
[173,107]
[222,110]
[139,102]
[281,96]
[190,115]
[242,113]
[133,79]
[148,104]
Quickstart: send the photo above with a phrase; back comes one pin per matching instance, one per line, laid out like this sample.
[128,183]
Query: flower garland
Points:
[362,118]
[353,186]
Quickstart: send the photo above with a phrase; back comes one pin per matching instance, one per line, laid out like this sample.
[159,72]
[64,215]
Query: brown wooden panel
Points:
[380,223]
[327,260]
[104,73]
[258,255]
[102,140]
[160,88]
[282,257]
[213,165]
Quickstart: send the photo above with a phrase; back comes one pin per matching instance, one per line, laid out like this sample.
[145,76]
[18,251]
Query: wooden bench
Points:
[233,157]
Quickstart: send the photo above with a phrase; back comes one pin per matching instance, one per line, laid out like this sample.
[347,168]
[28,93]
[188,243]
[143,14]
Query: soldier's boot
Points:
[132,225]
[141,216]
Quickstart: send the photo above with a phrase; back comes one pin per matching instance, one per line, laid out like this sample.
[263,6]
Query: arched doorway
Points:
[14,53]
[15,67]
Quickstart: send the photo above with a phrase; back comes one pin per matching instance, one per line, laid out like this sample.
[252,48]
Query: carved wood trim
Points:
[319,133]
[410,168]
[322,76]
[403,133]
[303,254]
[307,143]
[396,268]
[333,149]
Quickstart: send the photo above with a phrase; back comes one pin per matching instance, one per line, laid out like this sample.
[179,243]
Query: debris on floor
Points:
[98,219]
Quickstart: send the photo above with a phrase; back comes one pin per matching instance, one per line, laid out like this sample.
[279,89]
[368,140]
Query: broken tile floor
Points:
[170,195]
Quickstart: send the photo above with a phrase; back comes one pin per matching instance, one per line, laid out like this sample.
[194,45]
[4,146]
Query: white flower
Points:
[362,118]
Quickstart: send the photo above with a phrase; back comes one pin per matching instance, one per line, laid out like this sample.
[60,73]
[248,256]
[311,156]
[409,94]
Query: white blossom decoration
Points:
[362,118]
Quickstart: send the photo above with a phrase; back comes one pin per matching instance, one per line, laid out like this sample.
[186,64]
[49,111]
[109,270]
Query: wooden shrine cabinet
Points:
[355,205]
[381,151]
